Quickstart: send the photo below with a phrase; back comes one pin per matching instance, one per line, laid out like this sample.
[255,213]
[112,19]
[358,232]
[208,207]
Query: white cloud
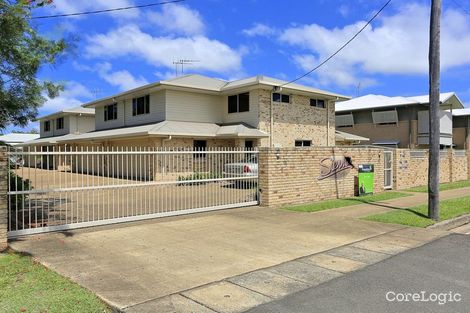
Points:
[129,40]
[178,19]
[122,79]
[259,29]
[71,6]
[334,74]
[72,96]
[397,45]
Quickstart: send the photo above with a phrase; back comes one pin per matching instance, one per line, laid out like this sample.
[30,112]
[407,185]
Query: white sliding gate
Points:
[53,189]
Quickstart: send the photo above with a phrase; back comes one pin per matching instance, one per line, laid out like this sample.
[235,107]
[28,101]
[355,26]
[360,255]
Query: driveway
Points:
[138,262]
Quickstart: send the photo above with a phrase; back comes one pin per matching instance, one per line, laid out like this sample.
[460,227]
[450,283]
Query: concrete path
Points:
[440,267]
[170,262]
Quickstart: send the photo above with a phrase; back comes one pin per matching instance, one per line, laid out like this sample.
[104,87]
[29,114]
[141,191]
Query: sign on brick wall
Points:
[334,166]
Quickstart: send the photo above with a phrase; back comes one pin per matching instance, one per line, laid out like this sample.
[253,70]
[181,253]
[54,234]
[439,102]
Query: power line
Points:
[107,10]
[341,48]
[461,6]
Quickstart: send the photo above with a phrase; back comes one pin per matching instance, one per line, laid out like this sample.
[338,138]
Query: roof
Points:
[70,111]
[16,138]
[386,143]
[343,136]
[380,101]
[209,84]
[162,129]
[461,112]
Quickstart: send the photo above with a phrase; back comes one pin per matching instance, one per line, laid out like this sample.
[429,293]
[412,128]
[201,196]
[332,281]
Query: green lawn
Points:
[417,216]
[338,203]
[26,286]
[444,186]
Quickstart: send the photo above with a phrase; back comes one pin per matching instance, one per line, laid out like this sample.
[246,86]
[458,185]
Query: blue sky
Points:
[236,39]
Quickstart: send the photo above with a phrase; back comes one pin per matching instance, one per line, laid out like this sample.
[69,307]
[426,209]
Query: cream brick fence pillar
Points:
[3,197]
[263,174]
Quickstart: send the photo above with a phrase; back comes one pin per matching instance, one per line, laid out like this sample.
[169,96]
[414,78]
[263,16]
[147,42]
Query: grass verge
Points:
[27,286]
[338,203]
[417,216]
[442,187]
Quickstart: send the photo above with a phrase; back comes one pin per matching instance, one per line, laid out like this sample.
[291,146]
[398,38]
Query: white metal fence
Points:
[58,189]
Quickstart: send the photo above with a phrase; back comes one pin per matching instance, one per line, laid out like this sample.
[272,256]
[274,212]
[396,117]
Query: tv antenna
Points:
[358,89]
[182,63]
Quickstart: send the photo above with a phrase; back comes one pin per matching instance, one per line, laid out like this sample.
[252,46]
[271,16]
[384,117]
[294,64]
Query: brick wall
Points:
[296,121]
[3,197]
[290,176]
[413,171]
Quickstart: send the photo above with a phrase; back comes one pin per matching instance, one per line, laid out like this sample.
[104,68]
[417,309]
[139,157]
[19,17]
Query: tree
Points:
[22,53]
[434,102]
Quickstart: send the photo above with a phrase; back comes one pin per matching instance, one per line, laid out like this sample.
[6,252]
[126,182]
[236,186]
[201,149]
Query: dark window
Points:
[60,123]
[244,102]
[233,104]
[47,126]
[199,145]
[239,103]
[317,103]
[110,112]
[277,97]
[141,105]
[303,143]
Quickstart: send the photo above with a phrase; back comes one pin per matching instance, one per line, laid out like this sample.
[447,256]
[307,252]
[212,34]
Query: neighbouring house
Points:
[203,112]
[14,139]
[461,128]
[401,122]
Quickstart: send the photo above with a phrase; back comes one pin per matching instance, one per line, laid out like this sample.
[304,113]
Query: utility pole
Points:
[434,104]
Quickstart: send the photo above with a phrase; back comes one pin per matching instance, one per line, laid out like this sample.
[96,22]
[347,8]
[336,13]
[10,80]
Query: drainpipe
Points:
[328,123]
[165,140]
[271,126]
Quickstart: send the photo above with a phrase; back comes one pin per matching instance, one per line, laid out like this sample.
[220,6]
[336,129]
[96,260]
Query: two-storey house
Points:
[396,121]
[198,111]
[58,126]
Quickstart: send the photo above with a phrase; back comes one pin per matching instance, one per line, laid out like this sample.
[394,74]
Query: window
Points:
[199,145]
[345,120]
[277,97]
[141,105]
[239,103]
[385,117]
[47,126]
[60,123]
[110,112]
[317,103]
[303,143]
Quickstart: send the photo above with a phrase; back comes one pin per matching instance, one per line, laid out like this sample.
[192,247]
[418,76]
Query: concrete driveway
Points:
[137,262]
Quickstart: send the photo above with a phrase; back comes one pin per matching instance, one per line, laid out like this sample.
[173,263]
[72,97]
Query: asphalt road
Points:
[441,267]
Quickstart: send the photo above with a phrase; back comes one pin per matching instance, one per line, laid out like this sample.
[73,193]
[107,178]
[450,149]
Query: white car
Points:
[242,169]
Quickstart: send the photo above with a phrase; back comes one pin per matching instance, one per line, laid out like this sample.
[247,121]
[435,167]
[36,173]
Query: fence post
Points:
[3,197]
[263,176]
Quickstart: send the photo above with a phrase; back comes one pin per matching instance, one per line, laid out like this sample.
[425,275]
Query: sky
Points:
[231,39]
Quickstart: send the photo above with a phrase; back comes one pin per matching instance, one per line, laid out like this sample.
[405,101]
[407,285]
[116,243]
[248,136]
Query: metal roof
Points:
[380,101]
[161,129]
[17,138]
[461,112]
[343,136]
[200,82]
[70,111]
